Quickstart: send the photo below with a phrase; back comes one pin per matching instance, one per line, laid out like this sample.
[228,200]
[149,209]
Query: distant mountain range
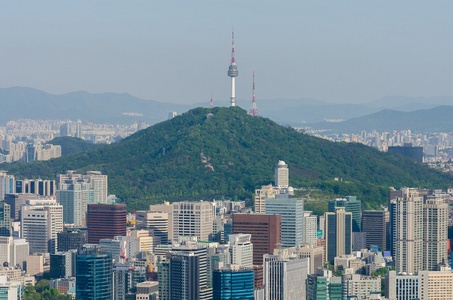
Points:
[20,102]
[438,119]
[225,153]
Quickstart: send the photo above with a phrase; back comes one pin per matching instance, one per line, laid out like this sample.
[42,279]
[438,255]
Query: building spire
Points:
[254,110]
[233,73]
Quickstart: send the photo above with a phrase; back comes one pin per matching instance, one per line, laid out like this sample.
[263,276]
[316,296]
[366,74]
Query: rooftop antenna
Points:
[212,105]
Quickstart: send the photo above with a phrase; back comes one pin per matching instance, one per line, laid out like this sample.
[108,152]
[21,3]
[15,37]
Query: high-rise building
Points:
[115,246]
[105,221]
[155,221]
[408,230]
[281,175]
[356,286]
[285,276]
[13,251]
[75,195]
[352,205]
[376,225]
[98,182]
[192,219]
[188,274]
[310,228]
[241,250]
[317,287]
[11,290]
[15,201]
[315,255]
[94,275]
[292,224]
[141,240]
[407,286]
[233,284]
[265,231]
[5,219]
[63,264]
[435,232]
[338,233]
[266,191]
[163,276]
[125,280]
[36,186]
[72,239]
[7,184]
[41,220]
[166,207]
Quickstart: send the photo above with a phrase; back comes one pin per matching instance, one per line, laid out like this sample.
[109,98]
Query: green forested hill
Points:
[230,154]
[71,145]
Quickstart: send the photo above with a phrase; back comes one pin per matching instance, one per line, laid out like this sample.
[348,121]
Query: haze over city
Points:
[179,51]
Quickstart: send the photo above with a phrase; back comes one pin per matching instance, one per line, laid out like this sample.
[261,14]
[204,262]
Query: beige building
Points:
[166,207]
[435,232]
[281,175]
[13,251]
[156,221]
[440,285]
[408,226]
[360,286]
[266,191]
[192,219]
[315,254]
[98,182]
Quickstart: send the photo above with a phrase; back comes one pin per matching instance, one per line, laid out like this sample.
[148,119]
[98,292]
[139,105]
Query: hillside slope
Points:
[230,154]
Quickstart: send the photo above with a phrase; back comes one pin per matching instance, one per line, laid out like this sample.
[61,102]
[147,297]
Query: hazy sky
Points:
[179,51]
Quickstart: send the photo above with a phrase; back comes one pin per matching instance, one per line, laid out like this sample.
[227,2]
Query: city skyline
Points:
[335,52]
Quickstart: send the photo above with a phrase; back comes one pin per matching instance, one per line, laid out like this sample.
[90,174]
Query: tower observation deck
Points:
[233,73]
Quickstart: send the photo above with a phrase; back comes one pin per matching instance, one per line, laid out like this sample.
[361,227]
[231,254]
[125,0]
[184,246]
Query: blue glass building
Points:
[232,284]
[94,275]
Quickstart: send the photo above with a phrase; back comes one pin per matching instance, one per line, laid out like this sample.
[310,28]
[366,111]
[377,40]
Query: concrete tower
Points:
[281,175]
[233,73]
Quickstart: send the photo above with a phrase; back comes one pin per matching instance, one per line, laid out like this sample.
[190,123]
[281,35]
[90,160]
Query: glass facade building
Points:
[94,276]
[232,284]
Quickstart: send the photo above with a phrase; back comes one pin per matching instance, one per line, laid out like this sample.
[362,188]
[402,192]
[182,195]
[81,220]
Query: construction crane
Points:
[124,251]
[150,266]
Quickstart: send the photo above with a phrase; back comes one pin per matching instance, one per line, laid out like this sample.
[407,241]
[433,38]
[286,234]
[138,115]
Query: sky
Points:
[179,51]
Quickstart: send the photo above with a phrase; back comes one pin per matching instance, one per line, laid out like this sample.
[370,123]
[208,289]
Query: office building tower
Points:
[11,289]
[435,232]
[284,277]
[406,286]
[36,186]
[125,280]
[14,252]
[105,221]
[376,225]
[94,278]
[356,286]
[352,205]
[310,228]
[72,239]
[292,222]
[188,274]
[338,233]
[148,290]
[41,220]
[98,182]
[317,287]
[15,201]
[281,175]
[266,191]
[7,184]
[75,195]
[236,283]
[265,232]
[192,219]
[163,276]
[166,207]
[5,219]
[116,247]
[408,227]
[241,250]
[155,221]
[142,240]
[315,255]
[440,285]
[63,264]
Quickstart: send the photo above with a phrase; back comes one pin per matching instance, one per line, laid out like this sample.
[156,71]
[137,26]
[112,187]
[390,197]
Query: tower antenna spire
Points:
[233,73]
[254,110]
[211,102]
